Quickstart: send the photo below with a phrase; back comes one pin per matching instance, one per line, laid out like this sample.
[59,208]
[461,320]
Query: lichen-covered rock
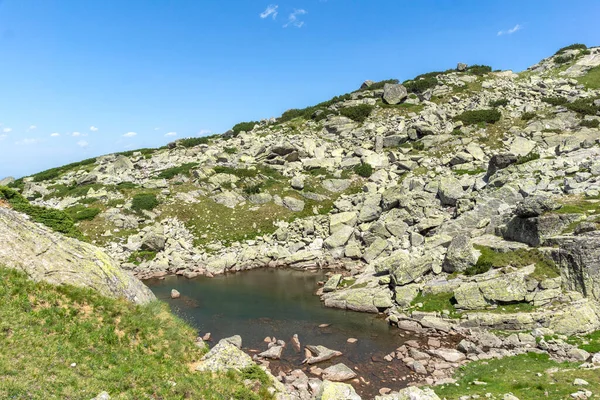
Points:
[534,206]
[410,393]
[394,93]
[48,256]
[461,255]
[337,391]
[338,373]
[332,283]
[224,357]
[450,191]
[362,299]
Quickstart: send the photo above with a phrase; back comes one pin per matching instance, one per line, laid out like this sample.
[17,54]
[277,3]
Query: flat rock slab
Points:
[321,353]
[274,353]
[449,355]
[338,373]
[224,357]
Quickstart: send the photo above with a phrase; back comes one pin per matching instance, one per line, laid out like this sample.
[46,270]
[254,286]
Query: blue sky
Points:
[84,78]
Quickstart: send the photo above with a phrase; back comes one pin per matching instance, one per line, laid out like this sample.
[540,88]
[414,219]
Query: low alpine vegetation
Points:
[144,202]
[365,170]
[499,103]
[184,169]
[357,113]
[479,116]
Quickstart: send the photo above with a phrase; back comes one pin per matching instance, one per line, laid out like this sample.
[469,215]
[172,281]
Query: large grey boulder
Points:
[394,93]
[154,239]
[340,237]
[338,373]
[534,206]
[535,230]
[460,255]
[578,258]
[7,181]
[410,393]
[224,357]
[48,256]
[336,391]
[498,162]
[293,204]
[450,191]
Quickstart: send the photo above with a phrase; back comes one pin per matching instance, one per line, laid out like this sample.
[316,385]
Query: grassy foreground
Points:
[529,377]
[70,343]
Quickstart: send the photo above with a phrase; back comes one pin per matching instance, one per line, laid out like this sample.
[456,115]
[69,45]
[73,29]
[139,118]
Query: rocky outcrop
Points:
[48,256]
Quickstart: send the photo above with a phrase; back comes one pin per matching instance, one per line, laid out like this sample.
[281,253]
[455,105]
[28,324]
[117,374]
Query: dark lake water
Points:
[277,302]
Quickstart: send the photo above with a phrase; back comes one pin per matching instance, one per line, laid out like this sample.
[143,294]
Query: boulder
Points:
[332,283]
[534,206]
[450,191]
[293,204]
[273,353]
[336,185]
[394,93]
[535,231]
[460,255]
[410,393]
[339,238]
[461,67]
[6,181]
[223,357]
[336,391]
[48,256]
[338,373]
[320,354]
[500,161]
[154,239]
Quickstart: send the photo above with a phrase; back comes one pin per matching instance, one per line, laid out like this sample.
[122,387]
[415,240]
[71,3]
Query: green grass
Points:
[527,158]
[357,113]
[544,266]
[437,303]
[82,213]
[184,169]
[138,257]
[555,101]
[469,171]
[144,201]
[56,220]
[499,103]
[527,116]
[365,170]
[519,375]
[591,80]
[479,116]
[132,352]
[592,123]
[589,343]
[578,205]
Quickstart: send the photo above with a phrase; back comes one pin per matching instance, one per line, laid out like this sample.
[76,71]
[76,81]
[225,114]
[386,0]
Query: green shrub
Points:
[244,126]
[357,113]
[180,170]
[421,84]
[144,152]
[56,220]
[479,116]
[56,172]
[583,106]
[381,84]
[527,116]
[254,189]
[555,101]
[529,157]
[230,150]
[576,46]
[418,146]
[479,69]
[590,123]
[311,112]
[82,213]
[562,59]
[192,142]
[499,103]
[365,170]
[144,201]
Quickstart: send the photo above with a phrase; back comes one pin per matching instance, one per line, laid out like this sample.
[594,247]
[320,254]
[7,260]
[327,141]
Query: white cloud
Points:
[516,28]
[156,129]
[293,19]
[2,137]
[55,134]
[203,132]
[7,130]
[270,10]
[130,134]
[82,143]
[32,127]
[76,134]
[27,141]
[171,134]
[93,128]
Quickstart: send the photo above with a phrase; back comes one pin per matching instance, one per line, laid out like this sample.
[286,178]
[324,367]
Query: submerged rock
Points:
[321,353]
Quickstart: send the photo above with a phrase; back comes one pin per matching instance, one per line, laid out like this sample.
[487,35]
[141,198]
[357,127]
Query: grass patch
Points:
[469,171]
[138,257]
[132,352]
[591,79]
[578,205]
[82,213]
[555,101]
[437,303]
[589,123]
[479,116]
[499,103]
[528,116]
[57,220]
[544,266]
[527,376]
[589,343]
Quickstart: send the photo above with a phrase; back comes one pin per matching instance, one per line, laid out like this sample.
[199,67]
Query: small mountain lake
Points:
[280,303]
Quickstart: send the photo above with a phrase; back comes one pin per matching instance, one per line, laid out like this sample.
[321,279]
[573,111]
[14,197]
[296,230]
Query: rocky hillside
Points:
[465,198]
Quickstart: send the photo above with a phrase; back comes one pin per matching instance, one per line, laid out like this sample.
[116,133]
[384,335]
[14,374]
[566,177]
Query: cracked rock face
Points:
[47,256]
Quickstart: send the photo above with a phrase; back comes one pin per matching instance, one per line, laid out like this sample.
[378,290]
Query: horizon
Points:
[78,87]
